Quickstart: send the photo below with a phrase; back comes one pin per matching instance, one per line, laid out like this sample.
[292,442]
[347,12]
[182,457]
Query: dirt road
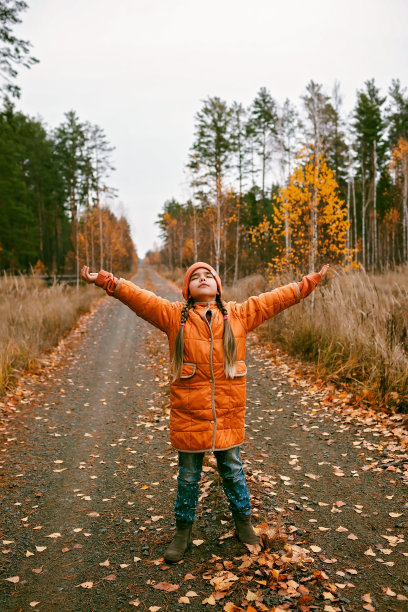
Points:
[88,484]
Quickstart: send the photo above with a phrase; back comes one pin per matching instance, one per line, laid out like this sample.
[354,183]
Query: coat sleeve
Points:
[257,309]
[147,305]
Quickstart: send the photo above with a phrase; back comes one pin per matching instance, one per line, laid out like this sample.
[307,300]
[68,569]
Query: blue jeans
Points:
[233,482]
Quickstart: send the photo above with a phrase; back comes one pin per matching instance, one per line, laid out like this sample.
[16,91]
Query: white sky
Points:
[140,69]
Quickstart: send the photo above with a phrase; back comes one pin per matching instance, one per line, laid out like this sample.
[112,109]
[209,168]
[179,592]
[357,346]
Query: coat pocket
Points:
[240,369]
[188,370]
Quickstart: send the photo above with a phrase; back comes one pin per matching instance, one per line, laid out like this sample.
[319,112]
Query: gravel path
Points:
[88,483]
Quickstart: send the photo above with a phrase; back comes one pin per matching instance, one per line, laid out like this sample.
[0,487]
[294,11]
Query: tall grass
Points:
[33,317]
[354,328]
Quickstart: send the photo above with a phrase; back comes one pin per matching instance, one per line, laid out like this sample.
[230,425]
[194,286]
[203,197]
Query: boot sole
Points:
[182,557]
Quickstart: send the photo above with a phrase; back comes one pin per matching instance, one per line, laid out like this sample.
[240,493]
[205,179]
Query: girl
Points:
[207,342]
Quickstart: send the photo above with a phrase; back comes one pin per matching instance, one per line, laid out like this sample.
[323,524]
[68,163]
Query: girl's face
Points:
[203,286]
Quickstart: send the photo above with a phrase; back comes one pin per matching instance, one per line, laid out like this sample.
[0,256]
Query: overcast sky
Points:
[141,68]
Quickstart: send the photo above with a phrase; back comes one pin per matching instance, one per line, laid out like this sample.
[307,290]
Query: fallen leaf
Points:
[315,548]
[37,570]
[325,560]
[135,602]
[54,535]
[210,600]
[370,553]
[105,563]
[198,542]
[34,603]
[395,514]
[29,554]
[389,592]
[13,579]
[191,594]
[166,586]
[231,607]
[93,514]
[154,608]
[109,577]
[251,596]
[184,599]
[85,585]
[351,536]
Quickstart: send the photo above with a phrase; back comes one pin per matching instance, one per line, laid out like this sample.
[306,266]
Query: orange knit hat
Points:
[195,266]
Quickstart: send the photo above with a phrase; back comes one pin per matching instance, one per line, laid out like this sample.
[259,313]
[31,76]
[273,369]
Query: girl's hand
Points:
[323,271]
[87,276]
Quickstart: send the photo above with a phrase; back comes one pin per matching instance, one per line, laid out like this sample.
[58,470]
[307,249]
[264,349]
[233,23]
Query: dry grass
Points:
[355,330]
[33,317]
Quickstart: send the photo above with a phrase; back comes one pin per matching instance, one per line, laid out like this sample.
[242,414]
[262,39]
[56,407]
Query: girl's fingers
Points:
[87,276]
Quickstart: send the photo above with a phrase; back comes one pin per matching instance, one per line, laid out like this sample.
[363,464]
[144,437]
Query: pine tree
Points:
[13,51]
[262,127]
[369,126]
[211,149]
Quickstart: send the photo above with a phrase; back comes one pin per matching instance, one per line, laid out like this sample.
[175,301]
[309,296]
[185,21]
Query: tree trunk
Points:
[405,210]
[375,242]
[218,224]
[92,244]
[355,218]
[287,234]
[237,237]
[100,237]
[363,225]
[195,234]
[348,245]
[313,217]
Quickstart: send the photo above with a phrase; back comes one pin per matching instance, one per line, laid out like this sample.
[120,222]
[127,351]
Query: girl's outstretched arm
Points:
[257,309]
[154,309]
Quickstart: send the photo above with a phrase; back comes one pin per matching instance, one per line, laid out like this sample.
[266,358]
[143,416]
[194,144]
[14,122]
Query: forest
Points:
[53,186]
[275,187]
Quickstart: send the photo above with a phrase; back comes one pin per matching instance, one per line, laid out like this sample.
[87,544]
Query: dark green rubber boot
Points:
[180,543]
[244,529]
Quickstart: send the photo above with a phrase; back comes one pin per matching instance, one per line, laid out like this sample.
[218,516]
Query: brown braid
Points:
[178,348]
[229,342]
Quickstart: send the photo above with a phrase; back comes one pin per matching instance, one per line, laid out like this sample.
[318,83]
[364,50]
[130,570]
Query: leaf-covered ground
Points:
[88,485]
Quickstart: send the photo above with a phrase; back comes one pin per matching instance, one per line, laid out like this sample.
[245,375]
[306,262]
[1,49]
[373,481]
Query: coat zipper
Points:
[212,382]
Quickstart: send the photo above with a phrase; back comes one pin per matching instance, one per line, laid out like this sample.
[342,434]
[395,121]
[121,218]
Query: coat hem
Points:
[206,450]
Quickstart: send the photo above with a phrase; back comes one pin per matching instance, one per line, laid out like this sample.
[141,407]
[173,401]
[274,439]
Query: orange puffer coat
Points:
[207,410]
